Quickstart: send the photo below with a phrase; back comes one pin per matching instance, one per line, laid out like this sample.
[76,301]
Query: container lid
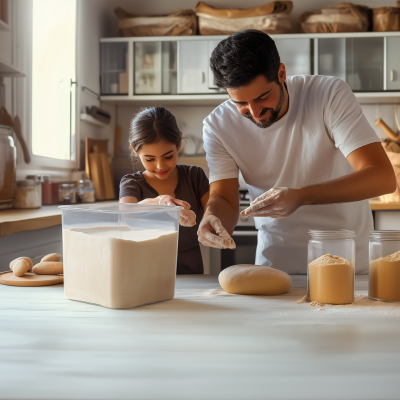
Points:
[119,208]
[384,235]
[67,185]
[331,234]
[35,178]
[26,183]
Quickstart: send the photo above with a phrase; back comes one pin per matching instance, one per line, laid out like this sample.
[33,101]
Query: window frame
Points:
[42,161]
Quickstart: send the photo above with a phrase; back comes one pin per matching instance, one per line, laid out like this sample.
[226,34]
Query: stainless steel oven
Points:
[245,237]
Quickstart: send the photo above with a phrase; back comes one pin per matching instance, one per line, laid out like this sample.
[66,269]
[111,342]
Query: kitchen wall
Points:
[97,20]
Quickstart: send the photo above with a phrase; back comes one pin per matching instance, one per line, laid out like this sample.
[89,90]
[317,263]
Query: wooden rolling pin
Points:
[391,134]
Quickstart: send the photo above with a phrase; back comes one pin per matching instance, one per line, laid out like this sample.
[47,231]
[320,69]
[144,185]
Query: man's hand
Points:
[275,203]
[211,233]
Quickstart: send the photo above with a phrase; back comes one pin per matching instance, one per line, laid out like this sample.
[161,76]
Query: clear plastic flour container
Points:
[120,255]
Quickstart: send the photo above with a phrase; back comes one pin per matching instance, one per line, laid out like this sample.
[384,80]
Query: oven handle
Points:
[244,233]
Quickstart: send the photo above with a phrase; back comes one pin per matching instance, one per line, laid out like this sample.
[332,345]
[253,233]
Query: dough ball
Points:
[51,257]
[30,262]
[48,268]
[187,218]
[254,279]
[21,267]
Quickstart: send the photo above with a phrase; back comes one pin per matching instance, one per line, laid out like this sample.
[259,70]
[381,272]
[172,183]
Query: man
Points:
[306,151]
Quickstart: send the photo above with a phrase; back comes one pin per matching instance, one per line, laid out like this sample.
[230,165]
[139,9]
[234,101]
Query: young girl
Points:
[155,138]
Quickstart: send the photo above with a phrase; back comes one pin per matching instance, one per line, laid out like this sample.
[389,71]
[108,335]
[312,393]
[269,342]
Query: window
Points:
[53,78]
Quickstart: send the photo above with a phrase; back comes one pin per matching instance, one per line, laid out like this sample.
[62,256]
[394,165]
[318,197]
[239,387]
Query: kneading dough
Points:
[230,243]
[254,279]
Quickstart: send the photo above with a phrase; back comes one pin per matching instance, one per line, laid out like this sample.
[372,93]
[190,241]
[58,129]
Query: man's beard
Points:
[274,112]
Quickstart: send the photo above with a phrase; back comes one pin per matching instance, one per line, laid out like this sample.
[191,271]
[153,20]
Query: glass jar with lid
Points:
[67,193]
[28,194]
[331,266]
[85,191]
[384,266]
[8,167]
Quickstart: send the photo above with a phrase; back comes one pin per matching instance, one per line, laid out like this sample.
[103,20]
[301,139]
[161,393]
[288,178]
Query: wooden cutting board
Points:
[29,279]
[102,146]
[96,173]
[107,176]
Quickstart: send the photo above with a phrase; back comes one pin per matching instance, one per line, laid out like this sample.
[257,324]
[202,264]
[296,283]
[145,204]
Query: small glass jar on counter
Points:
[85,191]
[384,266]
[331,261]
[67,193]
[28,194]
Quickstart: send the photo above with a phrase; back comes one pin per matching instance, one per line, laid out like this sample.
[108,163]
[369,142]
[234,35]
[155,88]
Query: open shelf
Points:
[6,69]
[93,121]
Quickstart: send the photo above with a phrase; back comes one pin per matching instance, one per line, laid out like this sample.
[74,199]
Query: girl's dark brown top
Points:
[192,186]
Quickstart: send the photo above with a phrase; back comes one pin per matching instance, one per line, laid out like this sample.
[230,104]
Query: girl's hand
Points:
[187,217]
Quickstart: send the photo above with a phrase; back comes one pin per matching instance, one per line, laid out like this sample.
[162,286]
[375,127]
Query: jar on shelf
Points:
[46,189]
[28,194]
[67,193]
[384,266]
[8,167]
[331,262]
[85,191]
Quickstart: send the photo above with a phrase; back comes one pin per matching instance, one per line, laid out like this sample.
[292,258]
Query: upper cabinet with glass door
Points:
[370,64]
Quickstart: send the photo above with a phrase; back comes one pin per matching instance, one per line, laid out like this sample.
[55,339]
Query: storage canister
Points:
[8,167]
[67,193]
[331,262]
[28,194]
[120,255]
[384,266]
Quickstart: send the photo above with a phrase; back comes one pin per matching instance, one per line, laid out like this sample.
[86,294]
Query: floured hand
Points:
[187,218]
[211,233]
[275,203]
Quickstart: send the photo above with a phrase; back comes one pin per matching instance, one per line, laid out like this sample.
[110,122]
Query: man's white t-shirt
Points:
[307,146]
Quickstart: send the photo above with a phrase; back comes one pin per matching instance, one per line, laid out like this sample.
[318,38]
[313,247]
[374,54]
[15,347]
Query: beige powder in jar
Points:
[384,278]
[331,280]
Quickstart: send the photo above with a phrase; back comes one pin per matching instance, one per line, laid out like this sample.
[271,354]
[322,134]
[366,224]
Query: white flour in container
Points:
[119,267]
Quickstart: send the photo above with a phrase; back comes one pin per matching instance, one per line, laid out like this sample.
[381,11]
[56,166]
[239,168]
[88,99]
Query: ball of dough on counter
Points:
[254,279]
[51,257]
[30,262]
[21,267]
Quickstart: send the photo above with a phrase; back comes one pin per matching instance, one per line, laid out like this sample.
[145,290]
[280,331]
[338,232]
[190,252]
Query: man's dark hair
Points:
[240,58]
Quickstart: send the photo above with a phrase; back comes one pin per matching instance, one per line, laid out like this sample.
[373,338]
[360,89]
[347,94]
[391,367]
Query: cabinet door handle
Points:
[391,75]
[203,77]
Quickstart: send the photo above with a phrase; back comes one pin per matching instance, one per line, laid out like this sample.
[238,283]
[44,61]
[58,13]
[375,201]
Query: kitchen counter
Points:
[14,220]
[17,220]
[203,344]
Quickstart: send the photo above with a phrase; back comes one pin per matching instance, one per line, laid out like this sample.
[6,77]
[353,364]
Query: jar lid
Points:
[331,234]
[384,235]
[67,185]
[26,183]
[35,178]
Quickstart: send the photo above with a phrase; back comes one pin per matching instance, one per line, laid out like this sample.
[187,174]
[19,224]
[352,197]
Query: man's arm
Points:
[221,213]
[373,176]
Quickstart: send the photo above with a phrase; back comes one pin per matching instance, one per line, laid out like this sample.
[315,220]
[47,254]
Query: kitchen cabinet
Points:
[358,61]
[194,73]
[393,63]
[155,67]
[296,55]
[114,68]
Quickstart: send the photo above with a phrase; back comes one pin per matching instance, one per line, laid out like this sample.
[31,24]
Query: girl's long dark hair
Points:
[151,125]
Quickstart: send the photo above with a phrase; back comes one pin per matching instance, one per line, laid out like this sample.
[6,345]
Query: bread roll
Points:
[22,258]
[48,268]
[51,257]
[21,267]
[254,279]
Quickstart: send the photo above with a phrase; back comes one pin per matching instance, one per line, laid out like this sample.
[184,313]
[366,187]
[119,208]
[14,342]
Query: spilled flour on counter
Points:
[361,304]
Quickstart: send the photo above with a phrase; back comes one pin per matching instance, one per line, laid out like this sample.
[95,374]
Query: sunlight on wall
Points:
[53,69]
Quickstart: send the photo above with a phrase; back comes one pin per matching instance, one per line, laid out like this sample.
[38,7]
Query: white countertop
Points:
[203,344]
